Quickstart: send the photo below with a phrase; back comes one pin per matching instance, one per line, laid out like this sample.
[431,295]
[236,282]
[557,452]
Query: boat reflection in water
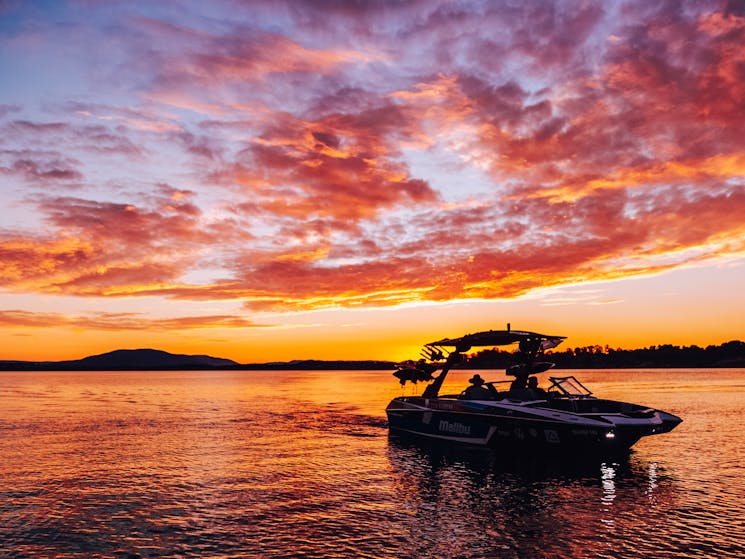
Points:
[566,418]
[472,502]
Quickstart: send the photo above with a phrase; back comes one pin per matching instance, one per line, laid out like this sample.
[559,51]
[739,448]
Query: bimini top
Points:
[498,337]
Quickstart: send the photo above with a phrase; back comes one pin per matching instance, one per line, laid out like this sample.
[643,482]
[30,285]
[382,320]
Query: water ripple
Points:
[202,465]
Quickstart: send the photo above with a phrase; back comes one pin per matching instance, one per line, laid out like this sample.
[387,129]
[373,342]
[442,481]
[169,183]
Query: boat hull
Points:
[515,426]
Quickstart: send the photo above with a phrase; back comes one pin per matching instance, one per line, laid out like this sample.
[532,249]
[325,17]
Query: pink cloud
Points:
[6,110]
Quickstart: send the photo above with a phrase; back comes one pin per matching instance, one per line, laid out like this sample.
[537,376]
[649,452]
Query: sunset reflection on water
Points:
[300,464]
[470,506]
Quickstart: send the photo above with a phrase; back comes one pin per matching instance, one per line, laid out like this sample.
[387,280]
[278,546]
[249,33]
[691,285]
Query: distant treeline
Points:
[730,354]
[319,365]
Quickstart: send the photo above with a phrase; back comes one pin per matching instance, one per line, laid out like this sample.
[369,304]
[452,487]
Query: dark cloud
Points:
[40,167]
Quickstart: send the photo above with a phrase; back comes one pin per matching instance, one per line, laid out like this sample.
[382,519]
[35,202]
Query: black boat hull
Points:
[474,424]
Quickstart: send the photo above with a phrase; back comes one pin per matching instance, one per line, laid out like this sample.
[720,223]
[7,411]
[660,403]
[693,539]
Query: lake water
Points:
[300,464]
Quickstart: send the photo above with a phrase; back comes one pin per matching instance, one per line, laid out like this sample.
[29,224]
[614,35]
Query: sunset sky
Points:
[274,180]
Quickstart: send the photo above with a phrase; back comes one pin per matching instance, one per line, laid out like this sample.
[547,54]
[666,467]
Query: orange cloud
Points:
[101,247]
[119,321]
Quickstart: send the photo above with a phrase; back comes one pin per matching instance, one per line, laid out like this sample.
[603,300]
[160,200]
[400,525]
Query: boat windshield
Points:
[569,386]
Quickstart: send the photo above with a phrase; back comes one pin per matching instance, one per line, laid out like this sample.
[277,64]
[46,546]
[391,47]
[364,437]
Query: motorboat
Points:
[565,416]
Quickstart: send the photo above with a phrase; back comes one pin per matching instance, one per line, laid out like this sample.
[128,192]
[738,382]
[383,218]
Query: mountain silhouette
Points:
[126,359]
[148,359]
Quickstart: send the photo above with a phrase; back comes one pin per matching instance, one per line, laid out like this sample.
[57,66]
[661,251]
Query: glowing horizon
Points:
[278,180]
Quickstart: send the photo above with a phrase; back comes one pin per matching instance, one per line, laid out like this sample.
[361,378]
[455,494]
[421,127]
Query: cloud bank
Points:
[303,155]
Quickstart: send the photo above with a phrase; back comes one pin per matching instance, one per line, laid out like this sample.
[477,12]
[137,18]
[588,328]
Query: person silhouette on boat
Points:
[524,359]
[477,390]
[534,389]
[521,374]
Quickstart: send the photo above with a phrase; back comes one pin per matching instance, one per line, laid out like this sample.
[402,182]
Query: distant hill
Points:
[157,360]
[125,359]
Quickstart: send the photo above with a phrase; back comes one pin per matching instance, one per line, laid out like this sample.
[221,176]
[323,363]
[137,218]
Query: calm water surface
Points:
[299,464]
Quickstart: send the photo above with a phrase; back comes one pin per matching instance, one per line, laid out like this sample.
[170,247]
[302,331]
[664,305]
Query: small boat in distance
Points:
[565,417]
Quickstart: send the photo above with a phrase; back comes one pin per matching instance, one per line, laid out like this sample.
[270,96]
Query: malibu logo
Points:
[457,428]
